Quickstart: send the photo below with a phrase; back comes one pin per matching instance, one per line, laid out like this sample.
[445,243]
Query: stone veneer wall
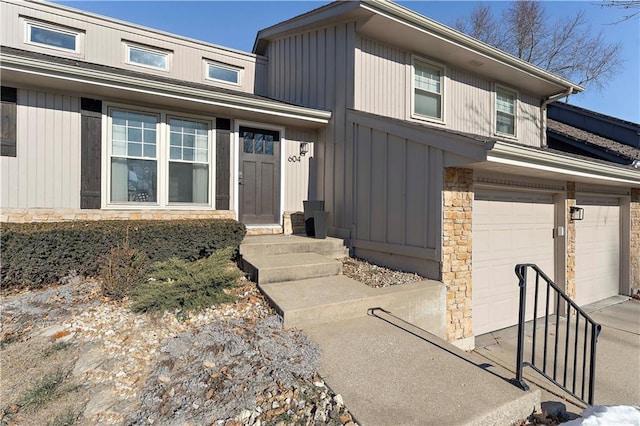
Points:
[635,238]
[293,223]
[456,251]
[64,215]
[570,287]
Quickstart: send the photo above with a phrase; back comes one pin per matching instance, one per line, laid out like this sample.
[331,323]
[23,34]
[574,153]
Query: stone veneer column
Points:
[635,238]
[457,207]
[570,287]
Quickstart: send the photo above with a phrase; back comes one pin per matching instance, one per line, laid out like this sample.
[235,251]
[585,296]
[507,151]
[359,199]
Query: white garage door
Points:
[597,250]
[508,228]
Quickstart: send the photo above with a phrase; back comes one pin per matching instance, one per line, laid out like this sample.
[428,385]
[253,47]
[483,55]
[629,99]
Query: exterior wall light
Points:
[576,213]
[304,148]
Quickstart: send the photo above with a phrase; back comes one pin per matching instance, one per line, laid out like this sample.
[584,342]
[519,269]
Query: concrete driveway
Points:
[617,362]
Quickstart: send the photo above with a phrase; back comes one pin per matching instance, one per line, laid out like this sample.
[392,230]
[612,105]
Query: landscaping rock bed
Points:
[374,275]
[70,356]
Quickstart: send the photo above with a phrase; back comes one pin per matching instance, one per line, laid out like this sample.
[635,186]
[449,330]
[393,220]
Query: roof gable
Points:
[391,23]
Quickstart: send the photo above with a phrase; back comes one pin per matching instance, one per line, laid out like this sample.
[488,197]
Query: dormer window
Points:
[147,56]
[221,72]
[53,36]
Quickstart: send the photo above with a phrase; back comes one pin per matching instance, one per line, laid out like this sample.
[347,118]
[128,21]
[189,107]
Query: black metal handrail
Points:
[565,357]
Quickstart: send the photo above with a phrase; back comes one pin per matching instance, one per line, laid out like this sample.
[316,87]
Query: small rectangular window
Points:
[52,36]
[223,73]
[147,57]
[505,112]
[427,90]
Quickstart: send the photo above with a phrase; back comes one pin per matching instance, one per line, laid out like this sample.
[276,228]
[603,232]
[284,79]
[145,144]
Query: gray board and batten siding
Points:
[103,41]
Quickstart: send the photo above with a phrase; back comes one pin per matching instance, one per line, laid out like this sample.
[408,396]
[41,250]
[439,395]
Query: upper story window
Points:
[147,57]
[220,72]
[53,36]
[506,111]
[428,90]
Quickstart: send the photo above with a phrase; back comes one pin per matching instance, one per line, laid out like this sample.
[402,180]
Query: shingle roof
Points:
[579,135]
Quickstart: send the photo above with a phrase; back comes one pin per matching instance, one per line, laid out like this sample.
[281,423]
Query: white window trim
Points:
[78,34]
[515,111]
[162,158]
[167,53]
[235,193]
[443,85]
[238,70]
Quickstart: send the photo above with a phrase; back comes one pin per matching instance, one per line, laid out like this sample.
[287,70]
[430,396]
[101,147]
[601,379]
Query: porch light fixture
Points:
[576,213]
[304,148]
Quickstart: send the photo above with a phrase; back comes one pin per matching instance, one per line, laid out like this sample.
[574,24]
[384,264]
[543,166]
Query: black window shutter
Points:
[91,151]
[8,121]
[223,162]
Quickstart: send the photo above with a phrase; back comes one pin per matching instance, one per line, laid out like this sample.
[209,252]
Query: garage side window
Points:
[134,161]
[8,121]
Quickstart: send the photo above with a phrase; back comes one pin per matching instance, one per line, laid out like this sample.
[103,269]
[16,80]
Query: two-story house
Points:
[428,147]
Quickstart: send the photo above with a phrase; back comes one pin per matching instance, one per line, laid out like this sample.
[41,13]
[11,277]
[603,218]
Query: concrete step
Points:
[284,244]
[273,268]
[317,301]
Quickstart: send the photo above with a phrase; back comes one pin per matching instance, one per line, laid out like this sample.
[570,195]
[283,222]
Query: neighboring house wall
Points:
[46,169]
[383,86]
[102,42]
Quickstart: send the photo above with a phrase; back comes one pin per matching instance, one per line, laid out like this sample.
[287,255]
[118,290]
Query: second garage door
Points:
[508,228]
[597,250]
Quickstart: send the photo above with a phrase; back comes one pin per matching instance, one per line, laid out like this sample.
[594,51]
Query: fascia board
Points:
[114,80]
[520,156]
[419,22]
[323,13]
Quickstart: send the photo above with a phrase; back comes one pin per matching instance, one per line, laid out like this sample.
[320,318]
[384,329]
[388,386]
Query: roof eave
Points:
[529,157]
[469,42]
[35,67]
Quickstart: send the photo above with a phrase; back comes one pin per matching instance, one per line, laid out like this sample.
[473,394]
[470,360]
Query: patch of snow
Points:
[604,415]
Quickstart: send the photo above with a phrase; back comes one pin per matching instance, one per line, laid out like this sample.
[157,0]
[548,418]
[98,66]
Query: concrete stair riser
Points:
[294,273]
[313,302]
[259,246]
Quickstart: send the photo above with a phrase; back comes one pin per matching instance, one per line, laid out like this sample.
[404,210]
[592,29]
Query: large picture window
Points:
[159,159]
[505,111]
[427,96]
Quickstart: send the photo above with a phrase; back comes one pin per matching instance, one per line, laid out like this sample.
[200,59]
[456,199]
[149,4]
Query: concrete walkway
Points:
[392,373]
[618,356]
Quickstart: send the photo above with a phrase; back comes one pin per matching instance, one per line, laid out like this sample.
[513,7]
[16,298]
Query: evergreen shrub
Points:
[37,254]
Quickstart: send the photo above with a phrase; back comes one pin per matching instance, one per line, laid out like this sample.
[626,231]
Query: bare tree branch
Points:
[566,46]
[624,4]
